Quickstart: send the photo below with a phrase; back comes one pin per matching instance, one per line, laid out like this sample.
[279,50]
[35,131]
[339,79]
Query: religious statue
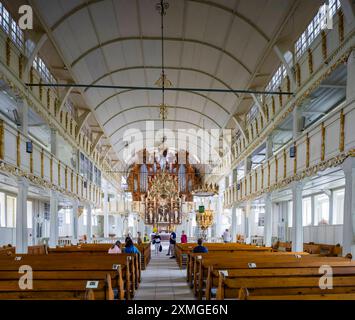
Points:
[150,215]
[176,220]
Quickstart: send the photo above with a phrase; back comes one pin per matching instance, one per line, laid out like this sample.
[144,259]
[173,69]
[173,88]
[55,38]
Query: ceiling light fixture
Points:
[163,82]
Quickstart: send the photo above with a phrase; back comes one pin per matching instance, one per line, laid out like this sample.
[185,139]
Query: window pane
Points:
[67,216]
[2,210]
[307,211]
[338,206]
[289,213]
[11,211]
[29,214]
[321,207]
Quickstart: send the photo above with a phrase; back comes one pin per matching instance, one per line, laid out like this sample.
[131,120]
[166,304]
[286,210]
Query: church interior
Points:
[177,150]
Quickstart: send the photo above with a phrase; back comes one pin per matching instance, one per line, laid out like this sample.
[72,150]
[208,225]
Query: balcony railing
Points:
[41,167]
[325,144]
[327,51]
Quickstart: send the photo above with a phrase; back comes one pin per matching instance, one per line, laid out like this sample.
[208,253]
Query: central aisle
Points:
[163,280]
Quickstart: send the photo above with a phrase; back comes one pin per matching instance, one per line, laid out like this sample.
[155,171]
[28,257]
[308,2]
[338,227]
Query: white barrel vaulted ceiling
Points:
[208,44]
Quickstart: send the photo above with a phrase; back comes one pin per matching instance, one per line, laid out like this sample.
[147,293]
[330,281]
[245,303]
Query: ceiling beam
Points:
[172,39]
[158,107]
[260,107]
[289,71]
[64,98]
[42,40]
[82,119]
[99,135]
[238,121]
[333,86]
[190,92]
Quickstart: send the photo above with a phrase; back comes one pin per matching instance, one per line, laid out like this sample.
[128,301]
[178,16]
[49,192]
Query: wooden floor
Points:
[163,280]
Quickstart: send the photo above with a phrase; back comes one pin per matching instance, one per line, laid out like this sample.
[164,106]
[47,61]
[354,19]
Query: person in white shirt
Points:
[226,236]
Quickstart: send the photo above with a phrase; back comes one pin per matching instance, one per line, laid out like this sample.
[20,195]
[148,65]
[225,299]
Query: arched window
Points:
[143,178]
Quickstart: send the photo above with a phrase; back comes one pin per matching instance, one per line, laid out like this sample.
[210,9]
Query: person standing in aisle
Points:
[226,236]
[183,237]
[157,243]
[172,244]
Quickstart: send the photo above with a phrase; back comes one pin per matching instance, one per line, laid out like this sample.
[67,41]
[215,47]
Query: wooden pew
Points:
[39,249]
[65,277]
[287,283]
[88,249]
[204,265]
[323,249]
[313,248]
[182,251]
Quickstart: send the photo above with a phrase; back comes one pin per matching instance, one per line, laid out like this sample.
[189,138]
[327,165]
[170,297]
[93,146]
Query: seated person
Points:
[146,238]
[129,247]
[139,238]
[115,249]
[200,248]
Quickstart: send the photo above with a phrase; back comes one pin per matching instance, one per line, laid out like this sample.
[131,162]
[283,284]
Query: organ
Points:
[162,187]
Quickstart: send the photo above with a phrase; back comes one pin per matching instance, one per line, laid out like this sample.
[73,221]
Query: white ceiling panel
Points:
[118,42]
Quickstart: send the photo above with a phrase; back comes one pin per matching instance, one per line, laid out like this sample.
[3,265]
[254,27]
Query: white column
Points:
[35,211]
[350,83]
[268,220]
[105,209]
[297,124]
[53,223]
[247,165]
[75,223]
[269,146]
[297,225]
[234,223]
[23,115]
[21,217]
[54,145]
[248,222]
[89,223]
[349,207]
[117,224]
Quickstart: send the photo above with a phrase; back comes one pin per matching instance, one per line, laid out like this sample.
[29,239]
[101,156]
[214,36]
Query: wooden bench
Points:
[313,248]
[182,251]
[283,282]
[204,265]
[100,249]
[40,249]
[65,277]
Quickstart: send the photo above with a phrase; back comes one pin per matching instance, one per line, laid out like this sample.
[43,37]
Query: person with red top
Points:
[183,237]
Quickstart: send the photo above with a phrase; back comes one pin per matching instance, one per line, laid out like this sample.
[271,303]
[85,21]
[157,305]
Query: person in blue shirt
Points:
[129,247]
[200,248]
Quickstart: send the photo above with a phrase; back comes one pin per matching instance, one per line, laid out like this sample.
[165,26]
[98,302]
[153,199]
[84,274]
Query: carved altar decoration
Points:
[162,189]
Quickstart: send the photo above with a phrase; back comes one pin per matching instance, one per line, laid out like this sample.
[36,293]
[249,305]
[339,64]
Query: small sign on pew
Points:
[298,256]
[92,284]
[252,265]
[224,273]
[18,258]
[115,266]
